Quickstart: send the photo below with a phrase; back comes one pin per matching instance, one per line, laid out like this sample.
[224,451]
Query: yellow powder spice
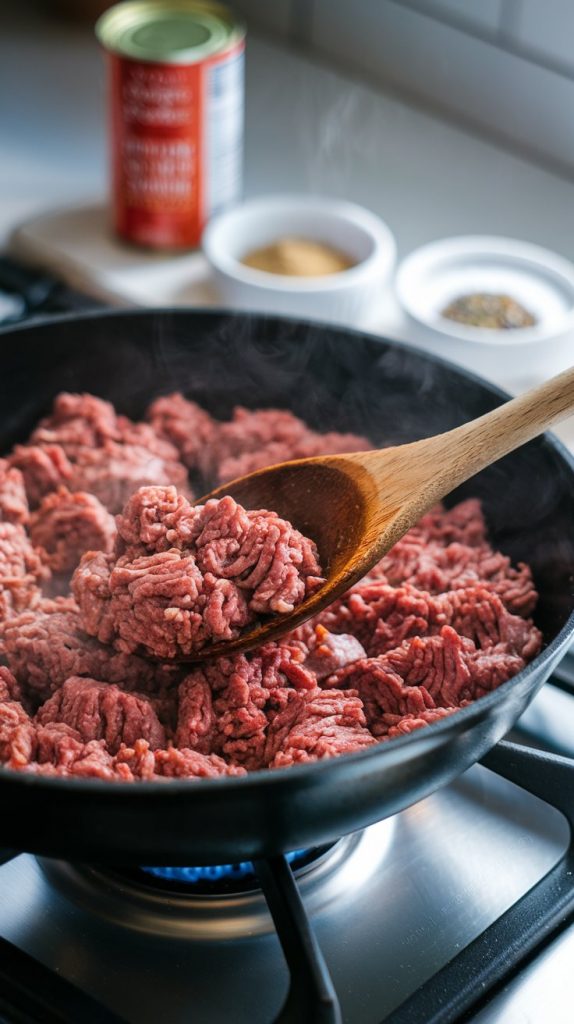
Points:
[298,257]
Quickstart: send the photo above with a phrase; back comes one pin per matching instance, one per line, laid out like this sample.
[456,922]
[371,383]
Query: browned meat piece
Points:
[101,711]
[317,724]
[43,467]
[189,427]
[228,565]
[13,500]
[21,571]
[330,652]
[65,525]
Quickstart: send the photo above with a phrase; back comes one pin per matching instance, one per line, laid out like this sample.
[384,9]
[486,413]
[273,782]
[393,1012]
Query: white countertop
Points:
[308,128]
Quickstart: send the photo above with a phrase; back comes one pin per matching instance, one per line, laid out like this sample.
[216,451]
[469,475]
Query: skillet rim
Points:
[310,772]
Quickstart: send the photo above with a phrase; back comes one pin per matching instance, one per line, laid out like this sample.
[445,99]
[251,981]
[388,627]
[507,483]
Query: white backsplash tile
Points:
[270,15]
[483,14]
[481,83]
[547,27]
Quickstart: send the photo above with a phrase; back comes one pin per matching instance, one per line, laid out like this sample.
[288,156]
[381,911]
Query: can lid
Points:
[173,32]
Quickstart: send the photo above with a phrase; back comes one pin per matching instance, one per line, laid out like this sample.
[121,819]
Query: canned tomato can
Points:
[176,94]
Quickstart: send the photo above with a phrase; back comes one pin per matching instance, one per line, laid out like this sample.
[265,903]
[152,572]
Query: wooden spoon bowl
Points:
[356,506]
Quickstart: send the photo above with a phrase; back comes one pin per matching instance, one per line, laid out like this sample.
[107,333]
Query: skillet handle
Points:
[311,998]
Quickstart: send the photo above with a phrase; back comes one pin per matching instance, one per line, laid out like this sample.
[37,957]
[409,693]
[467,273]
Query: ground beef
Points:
[85,445]
[464,524]
[43,468]
[442,620]
[252,440]
[382,616]
[402,725]
[317,724]
[21,571]
[77,421]
[102,711]
[13,500]
[65,525]
[227,705]
[189,427]
[425,673]
[46,646]
[191,575]
[437,568]
[9,686]
[114,471]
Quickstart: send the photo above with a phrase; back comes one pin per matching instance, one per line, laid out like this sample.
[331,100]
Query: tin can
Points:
[176,94]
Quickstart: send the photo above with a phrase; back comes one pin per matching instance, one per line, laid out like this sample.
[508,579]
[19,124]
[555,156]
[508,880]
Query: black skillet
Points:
[337,380]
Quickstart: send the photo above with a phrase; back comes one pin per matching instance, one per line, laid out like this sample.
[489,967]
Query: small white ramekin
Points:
[432,276]
[349,296]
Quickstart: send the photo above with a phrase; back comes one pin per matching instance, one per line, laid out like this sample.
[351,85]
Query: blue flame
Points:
[213,872]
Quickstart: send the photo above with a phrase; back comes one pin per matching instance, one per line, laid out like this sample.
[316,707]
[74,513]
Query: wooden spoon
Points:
[355,507]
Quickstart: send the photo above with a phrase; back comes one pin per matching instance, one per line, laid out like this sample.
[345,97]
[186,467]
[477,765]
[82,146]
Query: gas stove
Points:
[461,908]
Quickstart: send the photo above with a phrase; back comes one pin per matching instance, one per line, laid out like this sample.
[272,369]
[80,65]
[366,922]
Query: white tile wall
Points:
[269,15]
[482,14]
[547,28]
[504,66]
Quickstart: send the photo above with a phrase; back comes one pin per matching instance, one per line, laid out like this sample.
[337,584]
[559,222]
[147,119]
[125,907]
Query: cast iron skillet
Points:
[335,379]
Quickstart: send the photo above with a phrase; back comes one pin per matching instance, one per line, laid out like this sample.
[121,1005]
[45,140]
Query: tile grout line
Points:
[509,21]
[301,22]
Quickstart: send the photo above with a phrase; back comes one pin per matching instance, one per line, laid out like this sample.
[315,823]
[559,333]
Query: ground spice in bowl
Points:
[495,312]
[298,257]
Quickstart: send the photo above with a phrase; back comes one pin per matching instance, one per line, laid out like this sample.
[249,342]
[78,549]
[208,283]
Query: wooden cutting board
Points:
[78,246]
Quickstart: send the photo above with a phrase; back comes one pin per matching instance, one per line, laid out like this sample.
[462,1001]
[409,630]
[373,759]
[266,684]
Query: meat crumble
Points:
[442,620]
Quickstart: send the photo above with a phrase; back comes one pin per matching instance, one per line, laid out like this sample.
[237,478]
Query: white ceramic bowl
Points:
[349,296]
[543,282]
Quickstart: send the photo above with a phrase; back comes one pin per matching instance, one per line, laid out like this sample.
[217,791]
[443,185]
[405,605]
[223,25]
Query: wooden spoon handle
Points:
[464,451]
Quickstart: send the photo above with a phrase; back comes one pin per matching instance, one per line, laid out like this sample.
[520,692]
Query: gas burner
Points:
[217,907]
[218,879]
